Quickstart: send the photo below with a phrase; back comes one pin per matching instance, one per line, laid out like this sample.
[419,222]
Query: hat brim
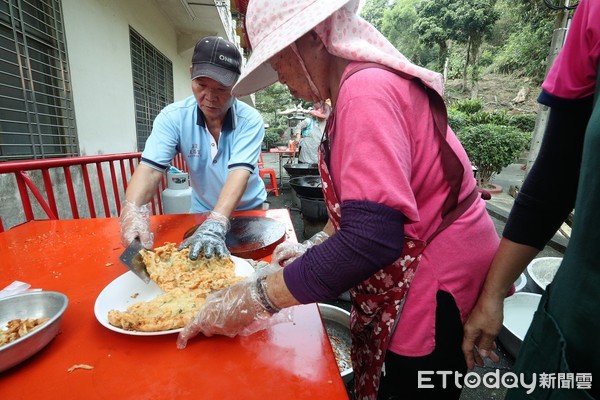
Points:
[223,76]
[258,73]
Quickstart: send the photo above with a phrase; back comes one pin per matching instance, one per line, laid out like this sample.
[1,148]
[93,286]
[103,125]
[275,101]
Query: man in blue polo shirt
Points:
[220,138]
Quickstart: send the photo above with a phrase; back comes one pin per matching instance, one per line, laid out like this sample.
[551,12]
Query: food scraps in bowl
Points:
[337,325]
[30,321]
[17,328]
[341,350]
[542,270]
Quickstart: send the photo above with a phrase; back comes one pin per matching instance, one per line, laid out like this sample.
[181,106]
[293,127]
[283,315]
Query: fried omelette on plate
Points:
[171,310]
[171,269]
[186,284]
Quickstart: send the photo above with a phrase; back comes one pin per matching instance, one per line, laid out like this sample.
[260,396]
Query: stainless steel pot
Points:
[337,324]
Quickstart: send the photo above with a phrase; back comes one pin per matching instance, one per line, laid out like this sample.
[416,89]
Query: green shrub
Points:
[271,138]
[457,120]
[524,122]
[468,106]
[492,147]
[486,58]
[484,117]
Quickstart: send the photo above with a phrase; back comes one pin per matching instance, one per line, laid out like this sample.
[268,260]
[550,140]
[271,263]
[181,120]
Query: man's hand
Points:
[209,238]
[135,223]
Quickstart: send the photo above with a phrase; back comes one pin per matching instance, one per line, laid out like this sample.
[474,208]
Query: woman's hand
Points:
[241,309]
[481,329]
[288,251]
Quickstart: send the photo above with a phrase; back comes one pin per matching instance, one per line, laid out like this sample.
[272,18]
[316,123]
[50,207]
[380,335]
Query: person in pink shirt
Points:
[562,341]
[408,233]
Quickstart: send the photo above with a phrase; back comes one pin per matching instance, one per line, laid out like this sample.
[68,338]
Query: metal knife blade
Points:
[132,258]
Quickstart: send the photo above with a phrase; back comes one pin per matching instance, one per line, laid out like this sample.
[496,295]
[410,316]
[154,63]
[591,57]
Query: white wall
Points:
[97,35]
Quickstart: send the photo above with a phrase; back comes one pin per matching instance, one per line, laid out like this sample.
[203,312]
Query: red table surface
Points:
[79,258]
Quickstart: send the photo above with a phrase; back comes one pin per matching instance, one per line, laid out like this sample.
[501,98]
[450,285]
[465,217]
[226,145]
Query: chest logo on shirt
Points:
[194,151]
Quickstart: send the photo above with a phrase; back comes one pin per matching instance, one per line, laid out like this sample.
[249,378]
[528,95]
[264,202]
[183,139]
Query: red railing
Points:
[48,204]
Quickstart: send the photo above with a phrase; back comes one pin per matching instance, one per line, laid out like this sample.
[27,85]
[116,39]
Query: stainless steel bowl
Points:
[42,304]
[337,324]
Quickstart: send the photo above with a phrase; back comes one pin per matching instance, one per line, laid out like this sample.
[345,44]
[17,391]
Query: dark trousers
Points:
[401,373]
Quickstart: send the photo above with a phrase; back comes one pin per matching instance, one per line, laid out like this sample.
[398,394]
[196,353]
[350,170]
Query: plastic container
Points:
[177,197]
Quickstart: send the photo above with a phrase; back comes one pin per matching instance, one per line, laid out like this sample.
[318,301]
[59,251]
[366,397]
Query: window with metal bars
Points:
[152,84]
[36,105]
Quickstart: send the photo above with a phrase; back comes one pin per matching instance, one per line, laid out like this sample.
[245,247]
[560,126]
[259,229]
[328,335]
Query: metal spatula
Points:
[132,258]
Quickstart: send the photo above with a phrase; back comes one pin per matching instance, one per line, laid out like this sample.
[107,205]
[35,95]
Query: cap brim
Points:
[223,76]
[258,74]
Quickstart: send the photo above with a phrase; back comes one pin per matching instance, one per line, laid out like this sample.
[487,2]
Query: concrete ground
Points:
[498,207]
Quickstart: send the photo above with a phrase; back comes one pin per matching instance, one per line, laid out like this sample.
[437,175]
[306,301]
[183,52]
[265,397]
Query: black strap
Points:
[454,214]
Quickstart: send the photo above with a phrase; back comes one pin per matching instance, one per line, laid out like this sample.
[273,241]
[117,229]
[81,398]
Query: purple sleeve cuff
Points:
[371,237]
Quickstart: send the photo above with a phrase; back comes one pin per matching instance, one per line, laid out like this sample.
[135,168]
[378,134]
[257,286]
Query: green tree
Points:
[463,21]
[522,37]
[434,26]
[472,20]
[399,28]
[373,11]
[268,102]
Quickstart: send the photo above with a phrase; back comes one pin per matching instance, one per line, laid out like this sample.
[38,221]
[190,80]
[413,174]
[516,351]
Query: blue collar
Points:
[229,123]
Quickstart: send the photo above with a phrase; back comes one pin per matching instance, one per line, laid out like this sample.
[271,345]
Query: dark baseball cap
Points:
[218,59]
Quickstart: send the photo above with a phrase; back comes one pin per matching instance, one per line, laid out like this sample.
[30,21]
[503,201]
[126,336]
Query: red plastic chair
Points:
[270,172]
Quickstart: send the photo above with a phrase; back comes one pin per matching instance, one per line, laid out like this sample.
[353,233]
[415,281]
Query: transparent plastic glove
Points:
[209,237]
[288,251]
[236,310]
[135,223]
[256,265]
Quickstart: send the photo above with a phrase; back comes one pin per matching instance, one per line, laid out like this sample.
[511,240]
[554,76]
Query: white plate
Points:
[128,289]
[519,310]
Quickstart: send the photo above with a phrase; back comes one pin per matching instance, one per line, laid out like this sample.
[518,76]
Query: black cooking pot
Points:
[313,210]
[307,186]
[301,169]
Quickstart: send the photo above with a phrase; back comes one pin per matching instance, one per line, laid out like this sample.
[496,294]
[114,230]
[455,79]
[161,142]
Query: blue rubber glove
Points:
[209,238]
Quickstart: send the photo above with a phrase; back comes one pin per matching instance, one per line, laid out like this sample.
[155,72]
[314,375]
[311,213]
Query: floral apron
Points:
[377,302]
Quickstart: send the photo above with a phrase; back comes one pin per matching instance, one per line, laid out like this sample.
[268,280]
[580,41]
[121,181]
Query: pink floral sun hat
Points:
[275,24]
